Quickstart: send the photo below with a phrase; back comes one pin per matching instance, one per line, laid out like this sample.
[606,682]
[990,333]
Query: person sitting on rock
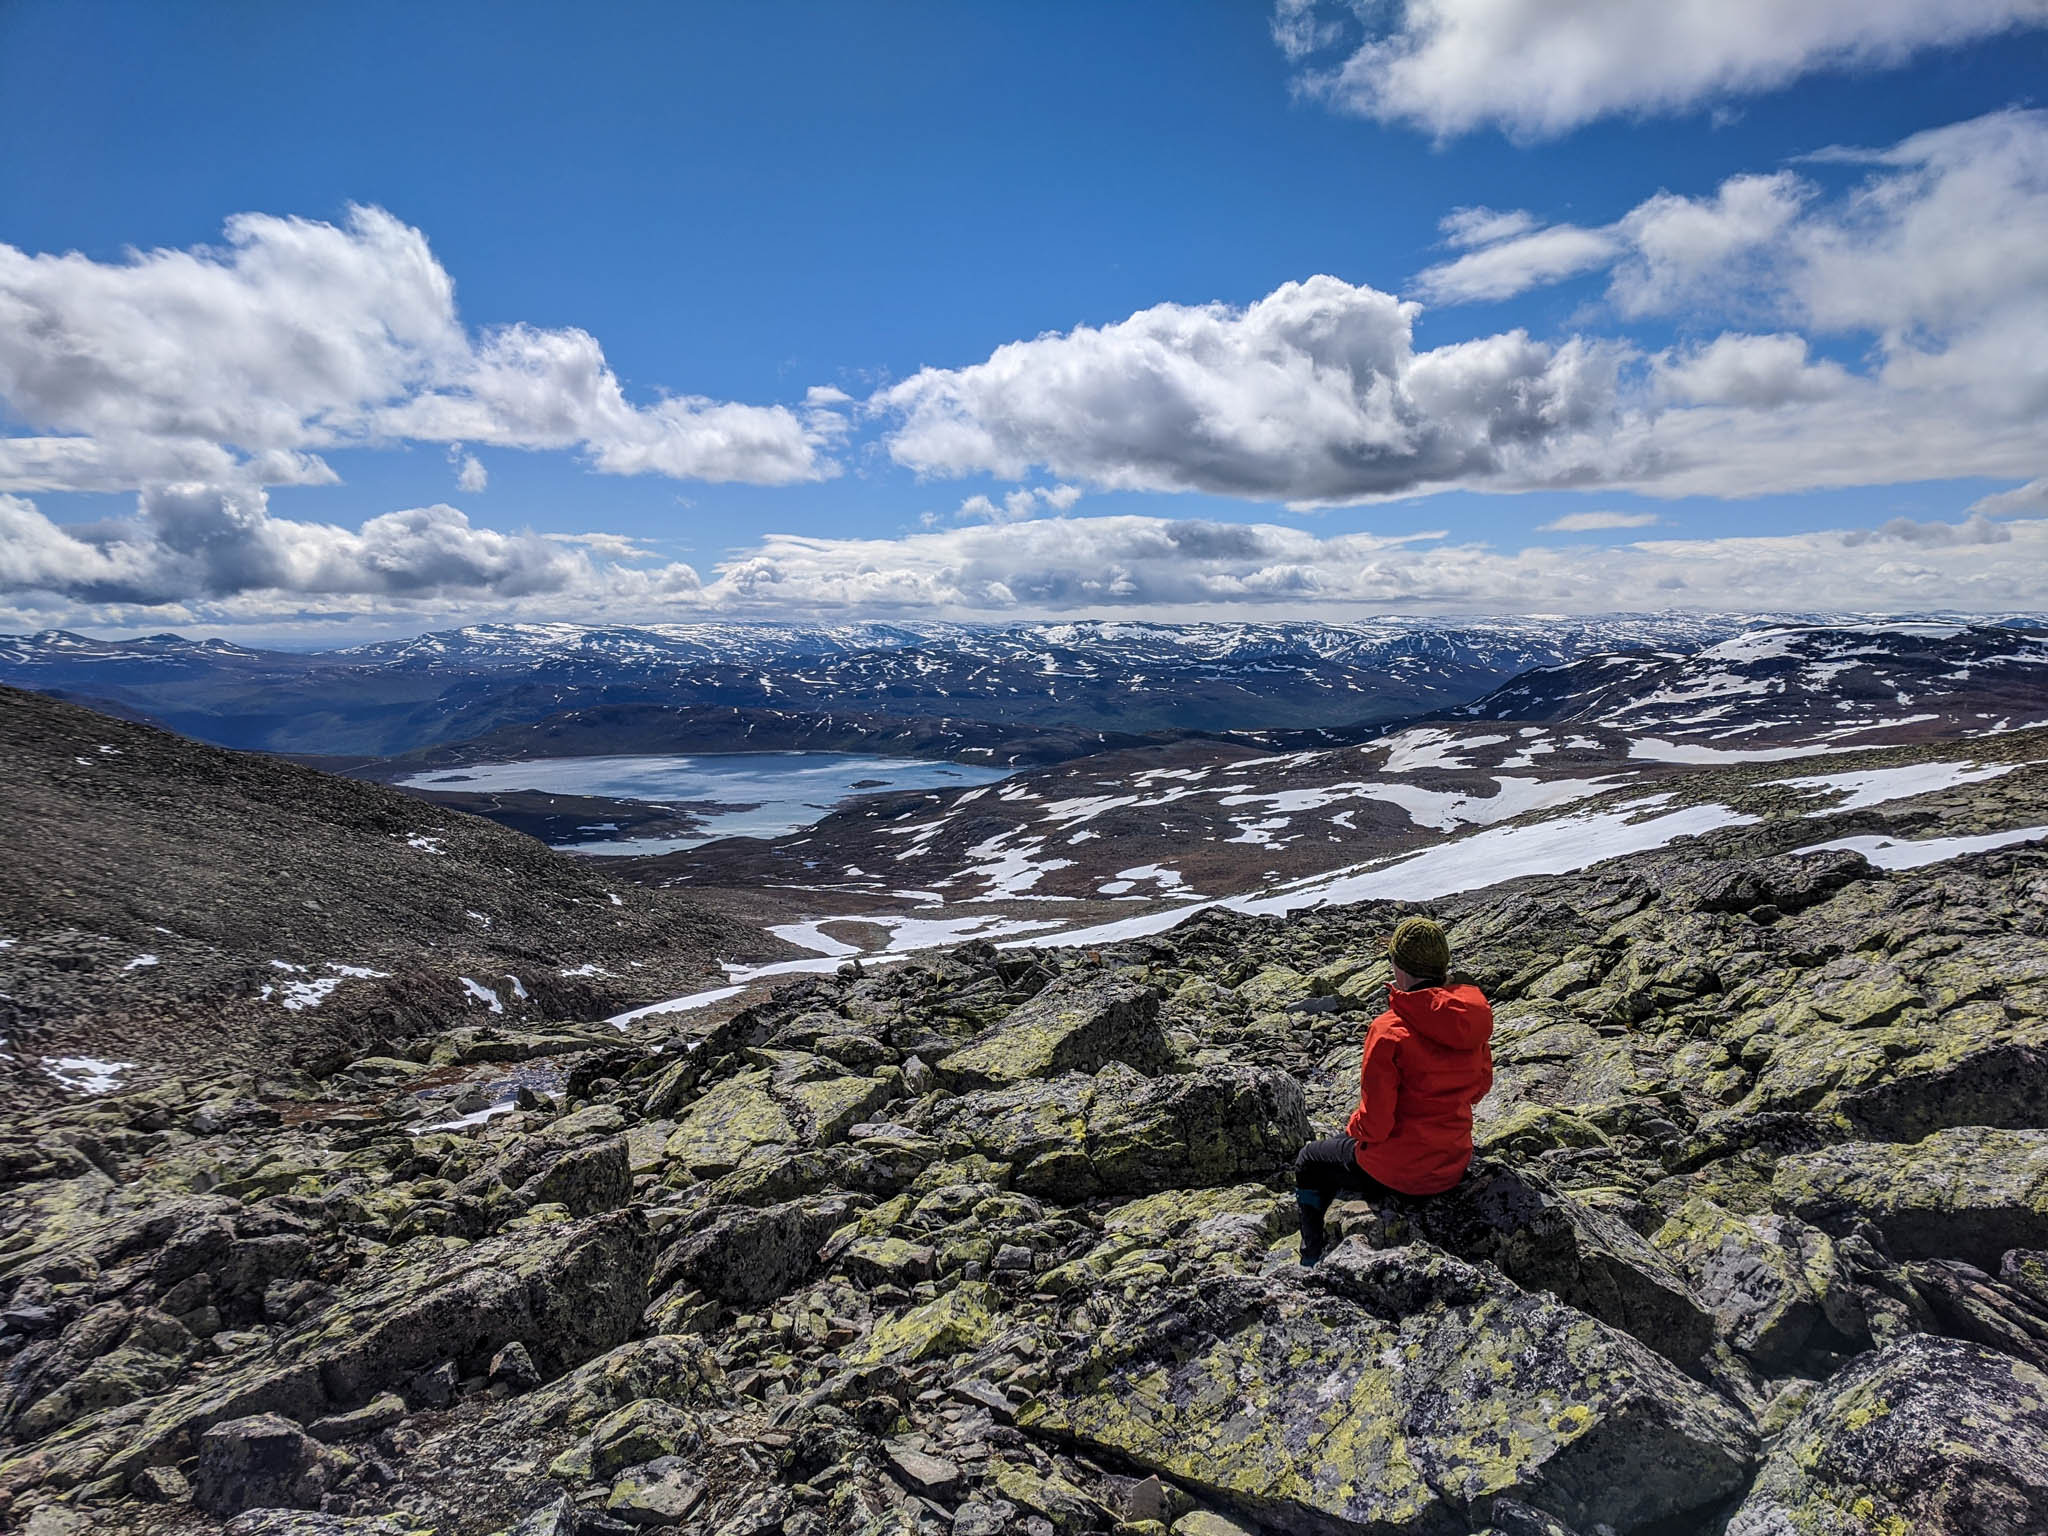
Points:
[1426,1063]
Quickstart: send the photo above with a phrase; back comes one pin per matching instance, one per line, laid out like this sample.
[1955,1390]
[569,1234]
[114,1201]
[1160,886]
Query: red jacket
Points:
[1426,1064]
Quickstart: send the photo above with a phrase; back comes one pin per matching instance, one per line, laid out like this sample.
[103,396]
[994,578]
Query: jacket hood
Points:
[1458,1017]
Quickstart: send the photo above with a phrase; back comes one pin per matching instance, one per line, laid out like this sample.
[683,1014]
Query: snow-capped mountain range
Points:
[1097,676]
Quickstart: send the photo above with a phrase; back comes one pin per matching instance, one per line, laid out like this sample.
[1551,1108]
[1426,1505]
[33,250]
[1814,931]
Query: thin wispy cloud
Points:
[1598,522]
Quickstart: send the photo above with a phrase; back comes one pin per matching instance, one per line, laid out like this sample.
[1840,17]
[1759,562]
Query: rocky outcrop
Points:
[262,1462]
[1072,1026]
[1001,1243]
[1771,1280]
[1117,1132]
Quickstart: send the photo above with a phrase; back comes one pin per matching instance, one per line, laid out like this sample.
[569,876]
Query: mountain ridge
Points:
[1098,676]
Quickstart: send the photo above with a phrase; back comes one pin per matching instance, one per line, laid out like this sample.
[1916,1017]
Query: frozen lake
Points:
[738,794]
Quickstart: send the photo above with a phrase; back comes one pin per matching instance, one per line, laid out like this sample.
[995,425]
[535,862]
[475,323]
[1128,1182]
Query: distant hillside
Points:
[172,904]
[1160,826]
[608,729]
[1867,682]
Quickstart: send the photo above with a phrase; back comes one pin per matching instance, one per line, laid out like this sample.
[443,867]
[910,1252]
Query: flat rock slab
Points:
[1398,1390]
[1547,1241]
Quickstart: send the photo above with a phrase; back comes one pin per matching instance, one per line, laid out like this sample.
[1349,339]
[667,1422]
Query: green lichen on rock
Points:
[715,1134]
[1274,988]
[1072,1026]
[1766,1277]
[1118,1132]
[1928,1437]
[1384,1390]
[1764,1157]
[960,1321]
[1967,1192]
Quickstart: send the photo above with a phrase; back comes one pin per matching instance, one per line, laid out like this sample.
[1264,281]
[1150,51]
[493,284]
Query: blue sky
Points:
[746,203]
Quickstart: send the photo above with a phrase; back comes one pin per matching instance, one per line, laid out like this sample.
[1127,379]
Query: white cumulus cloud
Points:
[1539,68]
[2021,499]
[1314,393]
[200,543]
[1166,566]
[1015,506]
[1893,329]
[202,563]
[237,365]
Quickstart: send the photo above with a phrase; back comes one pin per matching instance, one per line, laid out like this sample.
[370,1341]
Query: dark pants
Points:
[1323,1171]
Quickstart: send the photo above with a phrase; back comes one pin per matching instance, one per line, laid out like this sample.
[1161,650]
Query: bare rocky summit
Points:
[998,1242]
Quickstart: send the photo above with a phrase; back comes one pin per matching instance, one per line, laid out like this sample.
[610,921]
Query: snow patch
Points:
[463,1122]
[1877,785]
[1651,749]
[1911,853]
[482,994]
[86,1074]
[1425,746]
[1553,847]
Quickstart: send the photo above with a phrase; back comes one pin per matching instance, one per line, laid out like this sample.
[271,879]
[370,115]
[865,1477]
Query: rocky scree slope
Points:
[999,1243]
[185,908]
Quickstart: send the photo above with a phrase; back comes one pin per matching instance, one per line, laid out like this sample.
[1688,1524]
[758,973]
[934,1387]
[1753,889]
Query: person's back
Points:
[1426,1063]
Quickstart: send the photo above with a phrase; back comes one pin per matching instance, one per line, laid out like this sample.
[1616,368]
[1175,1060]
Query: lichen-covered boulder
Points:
[1075,1025]
[1274,987]
[1547,1241]
[747,1256]
[960,1321]
[1930,1436]
[727,1122]
[566,1292]
[1767,1277]
[1874,1044]
[671,1367]
[1397,1390]
[587,1179]
[1121,1133]
[1181,1234]
[1969,1193]
[794,1100]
